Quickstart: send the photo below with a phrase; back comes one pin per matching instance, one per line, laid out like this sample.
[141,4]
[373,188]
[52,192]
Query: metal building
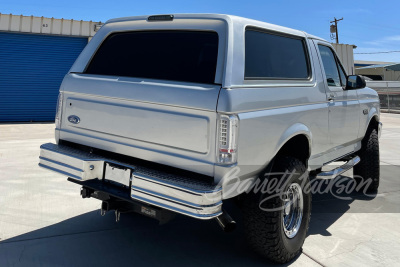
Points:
[381,72]
[35,54]
[366,63]
[346,55]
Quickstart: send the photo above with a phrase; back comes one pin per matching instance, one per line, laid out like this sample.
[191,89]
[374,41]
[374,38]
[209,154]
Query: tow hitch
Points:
[118,205]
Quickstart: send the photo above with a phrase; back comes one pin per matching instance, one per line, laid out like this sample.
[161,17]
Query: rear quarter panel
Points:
[263,132]
[270,113]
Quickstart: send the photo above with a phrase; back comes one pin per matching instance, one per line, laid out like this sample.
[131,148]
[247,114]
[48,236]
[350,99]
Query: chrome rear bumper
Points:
[180,194]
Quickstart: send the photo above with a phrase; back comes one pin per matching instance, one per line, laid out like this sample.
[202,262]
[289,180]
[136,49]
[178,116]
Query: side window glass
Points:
[330,66]
[271,56]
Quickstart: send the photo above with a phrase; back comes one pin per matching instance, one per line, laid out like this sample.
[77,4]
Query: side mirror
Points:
[355,82]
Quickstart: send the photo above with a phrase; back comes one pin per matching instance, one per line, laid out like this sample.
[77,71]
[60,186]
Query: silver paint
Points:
[174,123]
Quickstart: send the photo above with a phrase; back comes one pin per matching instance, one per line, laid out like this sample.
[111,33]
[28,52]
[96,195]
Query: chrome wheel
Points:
[293,210]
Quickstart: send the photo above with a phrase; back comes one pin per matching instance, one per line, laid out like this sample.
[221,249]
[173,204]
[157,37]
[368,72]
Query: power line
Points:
[383,52]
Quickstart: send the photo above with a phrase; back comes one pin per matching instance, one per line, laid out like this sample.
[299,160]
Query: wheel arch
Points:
[296,142]
[373,122]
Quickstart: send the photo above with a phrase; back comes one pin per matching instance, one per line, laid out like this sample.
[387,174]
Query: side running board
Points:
[339,170]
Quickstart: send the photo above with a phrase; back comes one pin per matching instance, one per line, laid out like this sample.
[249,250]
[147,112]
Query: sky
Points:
[373,26]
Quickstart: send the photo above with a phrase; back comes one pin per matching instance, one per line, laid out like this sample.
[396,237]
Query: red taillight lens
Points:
[227,139]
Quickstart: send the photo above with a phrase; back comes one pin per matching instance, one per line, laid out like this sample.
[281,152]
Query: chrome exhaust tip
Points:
[226,222]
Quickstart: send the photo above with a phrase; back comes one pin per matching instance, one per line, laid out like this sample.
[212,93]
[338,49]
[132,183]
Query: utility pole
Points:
[335,28]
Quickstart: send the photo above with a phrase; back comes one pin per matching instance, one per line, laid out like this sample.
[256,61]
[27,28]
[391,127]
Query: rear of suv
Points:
[173,114]
[151,96]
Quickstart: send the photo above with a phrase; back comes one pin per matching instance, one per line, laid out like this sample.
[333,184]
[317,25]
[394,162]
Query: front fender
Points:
[373,114]
[369,101]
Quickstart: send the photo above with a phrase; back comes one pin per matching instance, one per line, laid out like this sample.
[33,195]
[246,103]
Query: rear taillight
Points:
[59,110]
[227,139]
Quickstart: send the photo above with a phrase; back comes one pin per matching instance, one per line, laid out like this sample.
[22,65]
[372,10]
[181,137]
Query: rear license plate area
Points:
[118,175]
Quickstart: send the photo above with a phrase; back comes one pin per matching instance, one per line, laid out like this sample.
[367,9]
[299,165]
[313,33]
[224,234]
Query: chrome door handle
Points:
[331,98]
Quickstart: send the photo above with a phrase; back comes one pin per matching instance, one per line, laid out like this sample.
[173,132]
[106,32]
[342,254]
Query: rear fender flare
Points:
[292,131]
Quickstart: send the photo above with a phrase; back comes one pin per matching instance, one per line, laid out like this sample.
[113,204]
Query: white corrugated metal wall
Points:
[345,53]
[31,24]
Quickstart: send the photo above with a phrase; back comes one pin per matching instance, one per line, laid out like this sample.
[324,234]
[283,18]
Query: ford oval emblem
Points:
[74,119]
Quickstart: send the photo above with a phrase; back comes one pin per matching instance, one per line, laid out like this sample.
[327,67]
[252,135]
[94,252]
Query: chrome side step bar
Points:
[339,170]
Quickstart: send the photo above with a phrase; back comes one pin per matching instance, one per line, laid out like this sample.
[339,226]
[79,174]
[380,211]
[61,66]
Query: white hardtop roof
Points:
[235,20]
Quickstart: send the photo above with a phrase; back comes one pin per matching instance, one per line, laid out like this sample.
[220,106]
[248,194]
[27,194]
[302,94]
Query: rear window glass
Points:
[271,56]
[189,56]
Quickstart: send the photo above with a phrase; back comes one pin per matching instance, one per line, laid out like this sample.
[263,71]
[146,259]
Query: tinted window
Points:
[170,55]
[273,56]
[330,66]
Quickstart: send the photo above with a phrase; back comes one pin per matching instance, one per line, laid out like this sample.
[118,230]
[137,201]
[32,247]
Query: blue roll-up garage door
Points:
[31,71]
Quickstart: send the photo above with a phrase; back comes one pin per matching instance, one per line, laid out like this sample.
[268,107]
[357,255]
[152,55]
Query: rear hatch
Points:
[149,94]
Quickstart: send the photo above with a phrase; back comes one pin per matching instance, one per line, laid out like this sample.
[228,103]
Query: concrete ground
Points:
[44,221]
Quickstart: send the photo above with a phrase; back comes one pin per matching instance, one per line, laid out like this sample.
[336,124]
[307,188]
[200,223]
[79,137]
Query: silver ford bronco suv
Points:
[175,114]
